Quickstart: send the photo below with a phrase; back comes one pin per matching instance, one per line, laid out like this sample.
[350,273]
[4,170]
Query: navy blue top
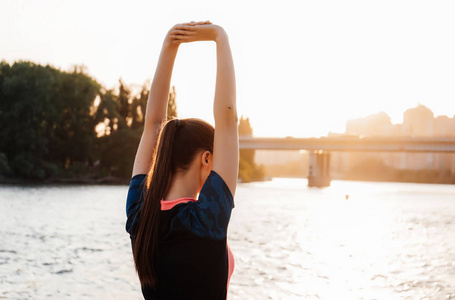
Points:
[193,261]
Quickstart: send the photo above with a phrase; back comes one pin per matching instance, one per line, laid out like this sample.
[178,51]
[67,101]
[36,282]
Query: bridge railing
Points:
[378,144]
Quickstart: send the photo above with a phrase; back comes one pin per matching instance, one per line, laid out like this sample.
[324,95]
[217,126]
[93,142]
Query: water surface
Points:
[387,241]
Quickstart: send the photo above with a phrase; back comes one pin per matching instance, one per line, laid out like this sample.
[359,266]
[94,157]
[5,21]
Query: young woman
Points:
[179,243]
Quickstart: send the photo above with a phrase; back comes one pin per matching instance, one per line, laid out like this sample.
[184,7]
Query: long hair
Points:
[178,143]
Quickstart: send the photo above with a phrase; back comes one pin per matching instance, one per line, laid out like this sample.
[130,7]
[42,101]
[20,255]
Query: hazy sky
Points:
[303,67]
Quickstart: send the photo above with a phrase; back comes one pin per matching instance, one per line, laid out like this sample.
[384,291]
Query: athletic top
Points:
[194,260]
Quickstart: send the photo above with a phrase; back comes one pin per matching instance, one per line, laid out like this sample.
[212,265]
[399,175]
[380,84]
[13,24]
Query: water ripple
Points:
[289,242]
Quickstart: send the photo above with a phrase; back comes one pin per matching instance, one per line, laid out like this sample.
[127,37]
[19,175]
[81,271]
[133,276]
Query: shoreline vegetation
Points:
[372,171]
[411,177]
[108,180]
[63,127]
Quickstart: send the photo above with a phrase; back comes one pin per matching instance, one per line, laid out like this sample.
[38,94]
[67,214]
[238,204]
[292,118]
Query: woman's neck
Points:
[183,185]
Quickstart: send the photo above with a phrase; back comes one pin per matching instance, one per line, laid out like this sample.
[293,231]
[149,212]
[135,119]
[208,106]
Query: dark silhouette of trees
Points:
[64,126]
[171,104]
[45,120]
[124,115]
[138,106]
[248,170]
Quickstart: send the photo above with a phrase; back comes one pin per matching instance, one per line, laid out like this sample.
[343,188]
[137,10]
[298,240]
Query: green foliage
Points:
[172,105]
[4,166]
[57,124]
[124,105]
[138,106]
[124,116]
[118,151]
[245,170]
[72,138]
[44,117]
[245,128]
[107,112]
[248,170]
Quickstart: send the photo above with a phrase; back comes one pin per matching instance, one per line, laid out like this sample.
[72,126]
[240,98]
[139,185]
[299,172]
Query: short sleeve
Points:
[134,200]
[209,216]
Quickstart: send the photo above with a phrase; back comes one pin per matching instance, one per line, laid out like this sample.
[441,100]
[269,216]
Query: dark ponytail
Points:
[178,143]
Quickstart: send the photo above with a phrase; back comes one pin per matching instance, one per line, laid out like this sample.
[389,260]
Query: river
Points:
[353,240]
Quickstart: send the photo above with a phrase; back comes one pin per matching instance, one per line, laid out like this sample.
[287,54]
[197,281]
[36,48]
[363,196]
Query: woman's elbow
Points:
[226,114]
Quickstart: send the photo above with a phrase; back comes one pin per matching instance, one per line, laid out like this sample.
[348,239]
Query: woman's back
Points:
[194,261]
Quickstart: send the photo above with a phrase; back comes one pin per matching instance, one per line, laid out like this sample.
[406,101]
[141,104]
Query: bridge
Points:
[319,148]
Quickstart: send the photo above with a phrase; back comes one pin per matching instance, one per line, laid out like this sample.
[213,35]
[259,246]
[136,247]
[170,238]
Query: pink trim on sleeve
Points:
[169,204]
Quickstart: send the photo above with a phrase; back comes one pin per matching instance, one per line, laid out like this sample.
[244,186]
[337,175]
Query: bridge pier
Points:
[319,173]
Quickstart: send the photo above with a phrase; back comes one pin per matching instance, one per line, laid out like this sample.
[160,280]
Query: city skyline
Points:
[418,121]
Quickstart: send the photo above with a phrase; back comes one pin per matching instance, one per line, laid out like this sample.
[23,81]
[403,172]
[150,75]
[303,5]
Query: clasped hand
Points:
[194,31]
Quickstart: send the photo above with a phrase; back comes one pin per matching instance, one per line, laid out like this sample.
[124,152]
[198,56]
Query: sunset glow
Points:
[303,69]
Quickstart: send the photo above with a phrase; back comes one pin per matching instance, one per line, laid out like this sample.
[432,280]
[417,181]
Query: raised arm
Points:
[156,110]
[226,144]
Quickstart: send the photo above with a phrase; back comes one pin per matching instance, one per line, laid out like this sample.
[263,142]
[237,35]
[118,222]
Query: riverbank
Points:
[107,180]
[404,176]
[395,175]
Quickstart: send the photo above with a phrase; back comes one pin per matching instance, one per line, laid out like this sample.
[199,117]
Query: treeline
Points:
[60,126]
[248,169]
[64,126]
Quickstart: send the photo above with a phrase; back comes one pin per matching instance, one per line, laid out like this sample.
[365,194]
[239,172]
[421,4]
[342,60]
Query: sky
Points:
[303,68]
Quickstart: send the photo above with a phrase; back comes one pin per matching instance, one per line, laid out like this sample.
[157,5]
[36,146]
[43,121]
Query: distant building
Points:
[444,126]
[417,122]
[378,124]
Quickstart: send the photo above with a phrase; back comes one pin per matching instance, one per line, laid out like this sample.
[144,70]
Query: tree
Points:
[138,108]
[74,138]
[65,124]
[248,170]
[4,166]
[139,104]
[117,152]
[26,114]
[123,121]
[172,105]
[116,141]
[45,117]
[124,106]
